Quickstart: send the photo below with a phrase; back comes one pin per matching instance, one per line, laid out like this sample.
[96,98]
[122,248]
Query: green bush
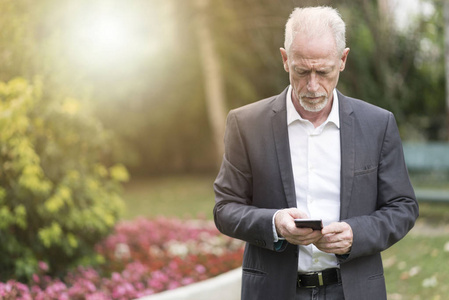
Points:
[57,198]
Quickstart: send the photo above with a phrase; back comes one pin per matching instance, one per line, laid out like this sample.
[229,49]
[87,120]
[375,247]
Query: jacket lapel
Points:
[280,132]
[347,154]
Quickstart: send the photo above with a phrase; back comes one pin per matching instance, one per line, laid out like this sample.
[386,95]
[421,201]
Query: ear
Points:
[344,58]
[284,59]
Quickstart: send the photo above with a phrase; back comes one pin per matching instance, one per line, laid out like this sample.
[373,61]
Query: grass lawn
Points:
[177,196]
[415,268]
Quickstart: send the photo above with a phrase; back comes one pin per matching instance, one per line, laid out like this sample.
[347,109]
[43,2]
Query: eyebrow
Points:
[323,69]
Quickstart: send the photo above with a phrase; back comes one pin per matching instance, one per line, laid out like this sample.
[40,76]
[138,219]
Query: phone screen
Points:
[309,223]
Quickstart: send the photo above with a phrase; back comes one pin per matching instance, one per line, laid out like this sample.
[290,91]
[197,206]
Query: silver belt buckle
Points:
[320,280]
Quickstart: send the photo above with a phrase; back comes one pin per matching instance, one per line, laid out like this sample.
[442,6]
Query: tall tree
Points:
[446,56]
[212,76]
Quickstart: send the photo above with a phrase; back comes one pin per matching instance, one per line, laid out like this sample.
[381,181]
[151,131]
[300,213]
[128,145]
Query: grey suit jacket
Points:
[256,180]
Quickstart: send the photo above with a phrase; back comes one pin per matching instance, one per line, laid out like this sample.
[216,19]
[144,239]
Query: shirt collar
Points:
[293,115]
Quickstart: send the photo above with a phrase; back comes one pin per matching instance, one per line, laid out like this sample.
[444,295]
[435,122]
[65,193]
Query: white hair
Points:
[315,21]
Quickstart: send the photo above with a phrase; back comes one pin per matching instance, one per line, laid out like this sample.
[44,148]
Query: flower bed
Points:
[142,257]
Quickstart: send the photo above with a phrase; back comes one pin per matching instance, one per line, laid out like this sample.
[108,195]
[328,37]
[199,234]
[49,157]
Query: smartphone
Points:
[309,223]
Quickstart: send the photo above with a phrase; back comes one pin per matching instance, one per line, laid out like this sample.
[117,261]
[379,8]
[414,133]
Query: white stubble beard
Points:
[314,107]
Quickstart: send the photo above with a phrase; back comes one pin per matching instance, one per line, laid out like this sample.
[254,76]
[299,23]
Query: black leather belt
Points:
[322,278]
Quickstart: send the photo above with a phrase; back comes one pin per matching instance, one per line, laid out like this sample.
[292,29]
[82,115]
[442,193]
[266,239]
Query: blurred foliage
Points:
[56,198]
[400,70]
[62,136]
[154,100]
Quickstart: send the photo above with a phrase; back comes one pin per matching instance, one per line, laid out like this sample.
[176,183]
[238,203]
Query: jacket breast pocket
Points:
[364,191]
[253,272]
[365,170]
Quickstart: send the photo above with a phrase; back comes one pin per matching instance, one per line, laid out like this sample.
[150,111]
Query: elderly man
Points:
[313,153]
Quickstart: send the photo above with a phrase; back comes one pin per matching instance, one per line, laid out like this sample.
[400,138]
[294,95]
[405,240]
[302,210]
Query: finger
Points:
[334,244]
[306,237]
[330,238]
[335,227]
[284,220]
[302,242]
[299,235]
[297,214]
[341,250]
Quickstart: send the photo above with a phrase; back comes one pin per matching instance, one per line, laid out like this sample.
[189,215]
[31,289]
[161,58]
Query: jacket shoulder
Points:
[256,108]
[362,106]
[363,111]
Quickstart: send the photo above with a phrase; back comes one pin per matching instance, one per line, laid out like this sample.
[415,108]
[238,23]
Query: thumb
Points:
[335,227]
[296,213]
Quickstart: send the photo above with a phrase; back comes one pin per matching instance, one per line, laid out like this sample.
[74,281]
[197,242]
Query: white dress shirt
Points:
[316,162]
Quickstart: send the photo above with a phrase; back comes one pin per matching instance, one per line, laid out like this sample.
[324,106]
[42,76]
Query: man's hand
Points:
[285,227]
[337,238]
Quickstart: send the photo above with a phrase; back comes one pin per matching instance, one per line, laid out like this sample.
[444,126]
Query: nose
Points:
[312,83]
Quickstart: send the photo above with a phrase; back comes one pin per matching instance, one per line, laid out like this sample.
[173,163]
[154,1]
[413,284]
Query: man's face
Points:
[314,67]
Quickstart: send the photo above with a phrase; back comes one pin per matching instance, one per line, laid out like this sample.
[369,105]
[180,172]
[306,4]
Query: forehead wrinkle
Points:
[321,46]
[314,64]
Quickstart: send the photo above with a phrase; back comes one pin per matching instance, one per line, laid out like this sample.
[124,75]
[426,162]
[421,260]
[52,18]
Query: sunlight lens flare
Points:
[110,39]
[104,38]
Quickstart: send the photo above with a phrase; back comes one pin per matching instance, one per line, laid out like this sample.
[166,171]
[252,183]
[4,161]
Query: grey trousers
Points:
[329,292]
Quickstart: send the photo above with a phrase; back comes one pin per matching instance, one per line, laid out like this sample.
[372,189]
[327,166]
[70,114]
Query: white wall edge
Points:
[226,286]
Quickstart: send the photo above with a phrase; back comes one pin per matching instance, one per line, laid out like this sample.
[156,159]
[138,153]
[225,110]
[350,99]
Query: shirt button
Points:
[316,260]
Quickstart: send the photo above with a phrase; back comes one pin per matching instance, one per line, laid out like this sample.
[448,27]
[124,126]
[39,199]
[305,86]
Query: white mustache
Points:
[312,95]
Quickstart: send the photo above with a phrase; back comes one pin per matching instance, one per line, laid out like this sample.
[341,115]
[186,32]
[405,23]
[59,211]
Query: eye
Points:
[322,73]
[302,72]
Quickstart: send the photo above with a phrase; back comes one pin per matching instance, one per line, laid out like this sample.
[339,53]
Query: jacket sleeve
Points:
[396,205]
[234,212]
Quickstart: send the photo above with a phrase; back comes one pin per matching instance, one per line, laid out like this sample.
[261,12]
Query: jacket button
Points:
[260,243]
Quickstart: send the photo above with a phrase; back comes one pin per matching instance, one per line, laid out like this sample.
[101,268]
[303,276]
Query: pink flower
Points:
[173,285]
[187,280]
[116,277]
[97,296]
[200,269]
[36,278]
[43,266]
[148,265]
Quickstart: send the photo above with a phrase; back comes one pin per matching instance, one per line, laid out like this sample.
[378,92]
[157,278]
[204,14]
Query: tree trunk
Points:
[213,79]
[446,57]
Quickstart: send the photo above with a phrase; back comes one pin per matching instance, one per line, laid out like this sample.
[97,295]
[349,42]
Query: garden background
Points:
[111,122]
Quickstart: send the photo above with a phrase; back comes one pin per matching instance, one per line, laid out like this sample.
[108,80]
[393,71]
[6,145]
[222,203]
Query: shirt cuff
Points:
[277,238]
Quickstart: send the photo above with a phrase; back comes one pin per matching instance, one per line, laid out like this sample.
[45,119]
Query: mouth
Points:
[313,99]
[313,95]
[313,102]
